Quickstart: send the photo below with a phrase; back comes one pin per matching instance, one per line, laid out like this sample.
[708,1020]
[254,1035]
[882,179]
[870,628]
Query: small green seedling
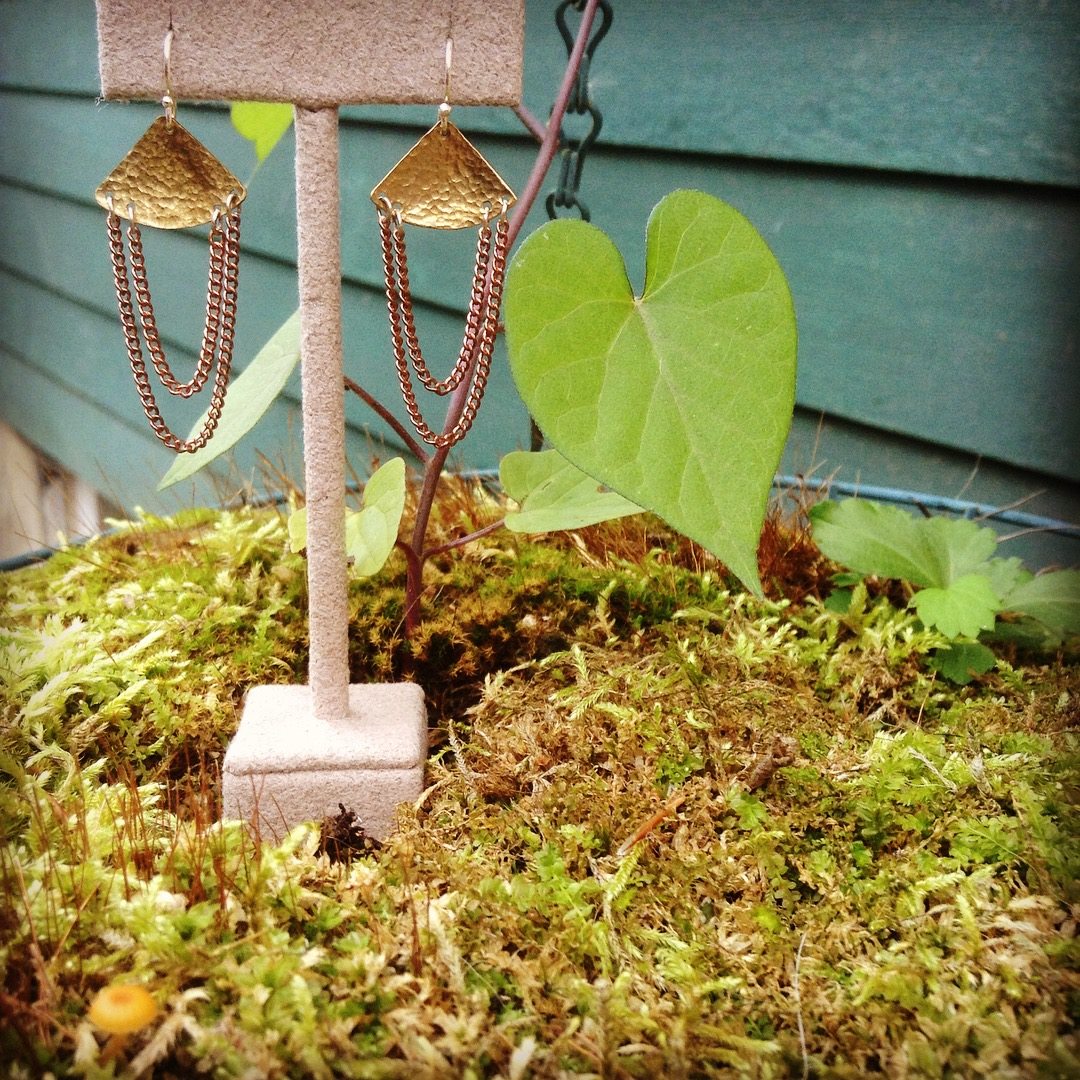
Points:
[958,585]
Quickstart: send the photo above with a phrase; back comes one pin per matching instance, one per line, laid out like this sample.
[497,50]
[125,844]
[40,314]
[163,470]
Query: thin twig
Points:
[536,128]
[399,429]
[462,540]
[647,827]
[1023,500]
[798,1008]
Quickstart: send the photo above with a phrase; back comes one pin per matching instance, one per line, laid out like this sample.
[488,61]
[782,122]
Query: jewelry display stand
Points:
[301,750]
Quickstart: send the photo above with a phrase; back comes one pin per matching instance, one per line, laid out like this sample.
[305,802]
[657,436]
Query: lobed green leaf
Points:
[872,538]
[963,608]
[1052,598]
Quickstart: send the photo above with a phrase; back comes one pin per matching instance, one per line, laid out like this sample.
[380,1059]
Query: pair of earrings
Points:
[170,180]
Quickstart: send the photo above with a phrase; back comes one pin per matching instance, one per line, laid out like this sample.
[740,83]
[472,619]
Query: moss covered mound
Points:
[668,830]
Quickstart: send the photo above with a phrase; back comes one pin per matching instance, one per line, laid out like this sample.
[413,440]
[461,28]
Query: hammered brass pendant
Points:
[444,182]
[169,180]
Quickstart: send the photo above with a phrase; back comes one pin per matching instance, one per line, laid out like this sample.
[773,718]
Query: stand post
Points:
[301,751]
[323,400]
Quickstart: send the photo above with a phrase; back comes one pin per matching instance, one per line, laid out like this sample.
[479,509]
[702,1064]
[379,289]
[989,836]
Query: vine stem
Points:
[433,467]
[389,418]
[461,541]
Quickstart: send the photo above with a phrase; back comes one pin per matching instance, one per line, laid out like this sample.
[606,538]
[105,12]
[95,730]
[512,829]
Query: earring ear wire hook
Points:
[444,108]
[168,103]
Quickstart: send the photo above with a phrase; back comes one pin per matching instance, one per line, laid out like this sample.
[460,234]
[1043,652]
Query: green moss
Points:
[665,825]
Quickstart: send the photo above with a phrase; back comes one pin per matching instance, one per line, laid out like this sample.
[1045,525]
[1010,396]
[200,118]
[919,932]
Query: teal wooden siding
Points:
[915,166]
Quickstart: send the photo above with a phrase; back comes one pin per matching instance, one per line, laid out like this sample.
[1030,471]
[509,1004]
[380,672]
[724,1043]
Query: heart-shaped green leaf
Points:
[250,395]
[679,400]
[554,495]
[370,533]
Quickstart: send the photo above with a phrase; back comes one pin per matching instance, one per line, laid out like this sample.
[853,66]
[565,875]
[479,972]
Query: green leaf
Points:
[298,530]
[962,609]
[263,122]
[554,495]
[751,810]
[679,400]
[1005,574]
[1052,598]
[250,394]
[961,661]
[955,547]
[370,532]
[872,538]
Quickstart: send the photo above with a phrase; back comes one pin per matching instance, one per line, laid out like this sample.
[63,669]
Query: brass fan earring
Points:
[169,180]
[443,182]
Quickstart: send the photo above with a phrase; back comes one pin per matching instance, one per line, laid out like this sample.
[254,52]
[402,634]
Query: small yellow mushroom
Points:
[121,1010]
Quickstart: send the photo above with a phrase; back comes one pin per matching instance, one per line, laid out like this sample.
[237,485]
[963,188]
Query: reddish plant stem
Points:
[434,465]
[391,420]
[414,569]
[535,127]
[461,541]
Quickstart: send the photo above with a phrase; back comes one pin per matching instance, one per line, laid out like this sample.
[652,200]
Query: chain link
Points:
[481,325]
[572,152]
[218,332]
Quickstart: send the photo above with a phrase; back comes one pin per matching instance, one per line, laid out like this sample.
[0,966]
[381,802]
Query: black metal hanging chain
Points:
[572,152]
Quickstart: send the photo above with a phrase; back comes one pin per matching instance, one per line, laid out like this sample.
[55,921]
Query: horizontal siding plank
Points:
[968,89]
[49,45]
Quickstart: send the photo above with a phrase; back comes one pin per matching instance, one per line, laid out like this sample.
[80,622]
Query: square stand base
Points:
[284,766]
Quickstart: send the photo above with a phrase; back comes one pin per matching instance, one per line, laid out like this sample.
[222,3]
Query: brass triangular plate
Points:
[172,180]
[443,182]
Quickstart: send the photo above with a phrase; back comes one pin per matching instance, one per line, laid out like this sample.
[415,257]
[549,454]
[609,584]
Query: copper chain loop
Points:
[480,325]
[218,332]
